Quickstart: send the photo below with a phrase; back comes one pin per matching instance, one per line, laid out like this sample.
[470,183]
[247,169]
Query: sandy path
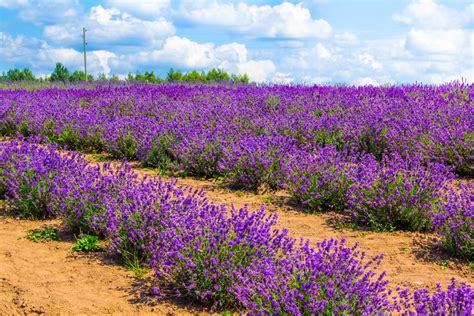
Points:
[46,277]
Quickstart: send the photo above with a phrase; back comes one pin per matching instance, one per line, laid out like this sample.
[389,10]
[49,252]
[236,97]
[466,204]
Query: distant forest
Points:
[61,73]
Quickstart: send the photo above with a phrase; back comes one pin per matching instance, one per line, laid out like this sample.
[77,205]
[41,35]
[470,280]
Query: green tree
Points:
[60,73]
[194,76]
[79,75]
[130,77]
[217,75]
[174,75]
[240,78]
[16,74]
[101,76]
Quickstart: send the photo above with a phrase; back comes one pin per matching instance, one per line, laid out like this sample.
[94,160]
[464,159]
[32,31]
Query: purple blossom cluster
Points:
[397,193]
[320,181]
[457,299]
[454,219]
[224,258]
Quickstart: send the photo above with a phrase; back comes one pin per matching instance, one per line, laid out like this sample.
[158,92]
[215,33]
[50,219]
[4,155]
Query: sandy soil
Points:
[49,278]
[46,277]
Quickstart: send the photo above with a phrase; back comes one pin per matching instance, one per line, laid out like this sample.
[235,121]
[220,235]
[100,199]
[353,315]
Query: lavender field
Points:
[385,158]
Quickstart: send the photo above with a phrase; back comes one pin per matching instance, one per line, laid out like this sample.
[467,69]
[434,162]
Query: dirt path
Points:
[48,278]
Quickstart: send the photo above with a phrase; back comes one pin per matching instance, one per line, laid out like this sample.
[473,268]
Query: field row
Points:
[224,258]
[387,157]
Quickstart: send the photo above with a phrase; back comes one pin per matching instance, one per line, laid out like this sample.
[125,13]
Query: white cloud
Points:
[258,70]
[285,20]
[451,41]
[437,29]
[181,52]
[40,12]
[439,45]
[282,78]
[111,26]
[142,8]
[47,57]
[97,61]
[321,52]
[367,59]
[429,14]
[11,4]
[18,49]
[365,81]
[312,58]
[346,38]
[103,58]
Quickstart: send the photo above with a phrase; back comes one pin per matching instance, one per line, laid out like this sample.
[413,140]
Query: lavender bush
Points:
[457,299]
[455,220]
[397,193]
[30,177]
[320,181]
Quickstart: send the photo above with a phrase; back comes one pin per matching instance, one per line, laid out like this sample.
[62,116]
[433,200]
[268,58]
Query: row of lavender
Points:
[208,129]
[386,156]
[223,258]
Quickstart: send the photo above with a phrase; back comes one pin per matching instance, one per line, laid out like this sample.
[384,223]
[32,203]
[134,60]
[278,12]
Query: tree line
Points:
[62,73]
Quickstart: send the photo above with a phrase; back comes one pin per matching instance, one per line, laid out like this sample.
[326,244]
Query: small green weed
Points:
[239,193]
[267,199]
[47,233]
[444,264]
[403,248]
[133,261]
[87,243]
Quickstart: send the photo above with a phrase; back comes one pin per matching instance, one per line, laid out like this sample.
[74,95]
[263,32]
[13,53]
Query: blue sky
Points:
[305,41]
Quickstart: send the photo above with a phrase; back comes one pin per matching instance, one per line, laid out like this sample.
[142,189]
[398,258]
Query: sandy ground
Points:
[48,278]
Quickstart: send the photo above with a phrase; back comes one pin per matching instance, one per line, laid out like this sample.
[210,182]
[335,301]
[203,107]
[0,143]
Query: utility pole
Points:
[84,44]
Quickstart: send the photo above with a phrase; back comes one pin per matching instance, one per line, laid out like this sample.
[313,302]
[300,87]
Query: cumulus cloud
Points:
[97,61]
[285,20]
[437,29]
[348,38]
[184,53]
[429,14]
[282,78]
[367,59]
[451,41]
[19,48]
[41,12]
[258,70]
[365,81]
[124,36]
[440,42]
[313,58]
[112,26]
[12,4]
[141,8]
